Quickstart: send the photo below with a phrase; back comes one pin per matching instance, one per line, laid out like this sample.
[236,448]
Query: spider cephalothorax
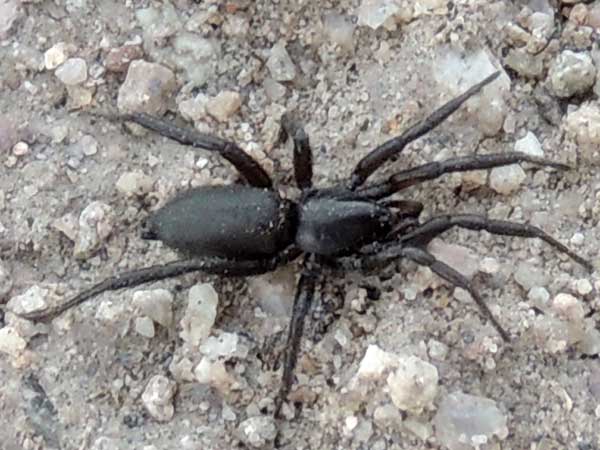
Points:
[248,229]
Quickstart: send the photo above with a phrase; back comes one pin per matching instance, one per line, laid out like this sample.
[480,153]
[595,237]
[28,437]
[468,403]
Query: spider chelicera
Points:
[249,229]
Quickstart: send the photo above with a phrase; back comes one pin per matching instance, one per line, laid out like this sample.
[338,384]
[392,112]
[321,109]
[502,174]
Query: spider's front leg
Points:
[377,157]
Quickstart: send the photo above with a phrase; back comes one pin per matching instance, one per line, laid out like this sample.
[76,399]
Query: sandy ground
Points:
[78,383]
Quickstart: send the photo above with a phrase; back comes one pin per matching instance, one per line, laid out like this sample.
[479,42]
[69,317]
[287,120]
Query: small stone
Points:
[577,239]
[213,373]
[67,225]
[489,265]
[56,55]
[258,431]
[274,90]
[95,225]
[524,63]
[350,424]
[182,369]
[72,72]
[437,350]
[20,149]
[194,109]
[539,295]
[568,307]
[200,314]
[583,286]
[118,59]
[280,64]
[414,385]
[32,300]
[530,145]
[457,256]
[579,14]
[144,327]
[88,145]
[375,362]
[224,105]
[79,96]
[6,281]
[10,342]
[158,398]
[590,342]
[572,73]
[225,346]
[528,276]
[506,180]
[147,88]
[156,304]
[462,419]
[375,13]
[134,184]
[583,125]
[386,415]
[339,30]
[274,291]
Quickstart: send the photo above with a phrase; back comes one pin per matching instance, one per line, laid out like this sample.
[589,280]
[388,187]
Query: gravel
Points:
[193,362]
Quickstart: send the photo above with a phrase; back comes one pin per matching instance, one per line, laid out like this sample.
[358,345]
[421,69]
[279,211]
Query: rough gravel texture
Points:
[79,383]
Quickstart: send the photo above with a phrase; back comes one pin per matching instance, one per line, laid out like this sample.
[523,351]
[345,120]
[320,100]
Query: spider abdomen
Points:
[237,222]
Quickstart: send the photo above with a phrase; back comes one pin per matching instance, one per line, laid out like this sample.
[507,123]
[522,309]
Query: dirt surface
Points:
[78,383]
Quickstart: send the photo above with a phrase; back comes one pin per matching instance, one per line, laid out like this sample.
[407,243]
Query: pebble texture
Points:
[392,360]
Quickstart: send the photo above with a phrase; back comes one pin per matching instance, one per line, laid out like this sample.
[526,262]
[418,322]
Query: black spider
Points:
[249,229]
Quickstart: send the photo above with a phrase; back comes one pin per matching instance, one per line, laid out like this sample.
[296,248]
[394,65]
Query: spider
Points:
[249,229]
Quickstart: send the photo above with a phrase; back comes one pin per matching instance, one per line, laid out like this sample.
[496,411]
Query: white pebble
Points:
[33,299]
[414,385]
[465,419]
[72,72]
[583,286]
[539,295]
[156,304]
[134,184]
[10,342]
[158,398]
[280,64]
[568,307]
[577,239]
[258,431]
[529,145]
[200,314]
[489,265]
[144,326]
[506,180]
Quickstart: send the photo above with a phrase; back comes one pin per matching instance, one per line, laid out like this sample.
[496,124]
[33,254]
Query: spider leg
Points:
[387,150]
[305,291]
[446,272]
[172,269]
[424,233]
[250,169]
[303,163]
[430,171]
